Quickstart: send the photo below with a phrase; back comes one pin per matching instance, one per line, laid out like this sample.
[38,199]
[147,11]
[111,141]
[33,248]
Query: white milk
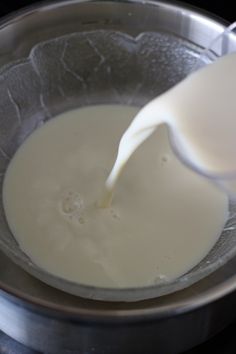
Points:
[201,115]
[163,220]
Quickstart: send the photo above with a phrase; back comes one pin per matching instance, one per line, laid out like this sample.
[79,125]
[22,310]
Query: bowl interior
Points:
[95,66]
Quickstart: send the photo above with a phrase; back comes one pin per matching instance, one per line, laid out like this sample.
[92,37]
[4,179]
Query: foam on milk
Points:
[163,220]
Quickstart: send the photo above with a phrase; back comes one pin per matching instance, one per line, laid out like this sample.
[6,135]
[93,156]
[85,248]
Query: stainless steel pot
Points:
[49,320]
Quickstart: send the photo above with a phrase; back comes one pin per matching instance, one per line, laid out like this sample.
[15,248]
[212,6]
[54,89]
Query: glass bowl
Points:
[107,54]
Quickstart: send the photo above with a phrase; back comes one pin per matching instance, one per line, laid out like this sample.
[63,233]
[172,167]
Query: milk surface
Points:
[163,220]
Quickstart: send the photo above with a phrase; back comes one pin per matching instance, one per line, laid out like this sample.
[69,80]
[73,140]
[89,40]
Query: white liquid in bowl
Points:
[163,220]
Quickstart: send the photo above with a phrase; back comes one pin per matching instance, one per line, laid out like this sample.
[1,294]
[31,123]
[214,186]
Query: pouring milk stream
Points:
[200,113]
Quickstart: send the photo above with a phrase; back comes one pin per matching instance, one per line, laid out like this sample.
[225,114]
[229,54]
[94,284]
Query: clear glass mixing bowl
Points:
[97,62]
